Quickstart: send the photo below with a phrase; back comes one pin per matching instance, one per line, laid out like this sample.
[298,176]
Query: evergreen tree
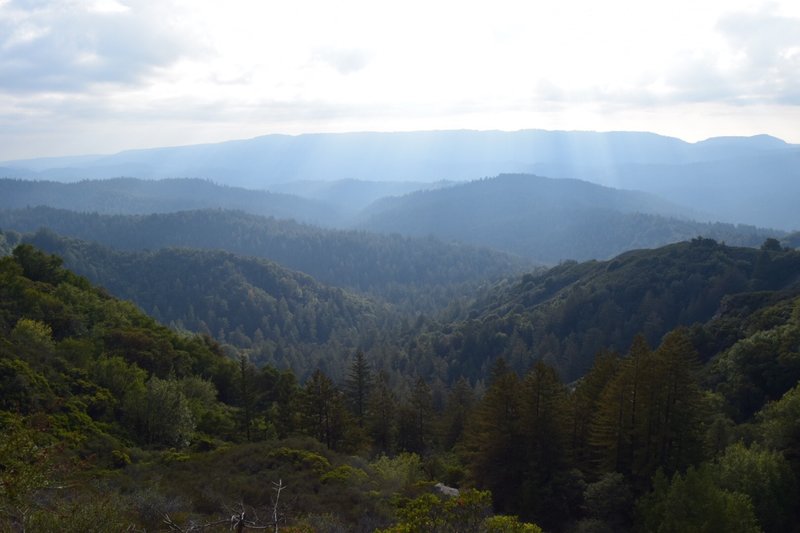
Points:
[495,439]
[460,402]
[381,413]
[324,413]
[621,406]
[549,494]
[358,385]
[672,429]
[416,420]
[584,403]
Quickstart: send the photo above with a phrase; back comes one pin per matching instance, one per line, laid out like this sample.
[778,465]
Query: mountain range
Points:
[543,220]
[731,179]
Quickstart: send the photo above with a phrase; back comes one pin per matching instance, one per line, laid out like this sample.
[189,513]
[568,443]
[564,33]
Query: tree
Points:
[416,419]
[381,411]
[694,503]
[246,394]
[766,478]
[159,413]
[324,413]
[672,435]
[460,402]
[583,406]
[496,442]
[549,491]
[620,411]
[358,386]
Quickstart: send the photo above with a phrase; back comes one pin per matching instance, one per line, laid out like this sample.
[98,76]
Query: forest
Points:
[657,391]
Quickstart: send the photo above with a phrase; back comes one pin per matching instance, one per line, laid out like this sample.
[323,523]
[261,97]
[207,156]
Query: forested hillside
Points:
[549,220]
[112,419]
[270,314]
[565,315]
[417,273]
[131,196]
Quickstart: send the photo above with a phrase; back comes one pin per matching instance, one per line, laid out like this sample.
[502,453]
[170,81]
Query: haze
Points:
[103,76]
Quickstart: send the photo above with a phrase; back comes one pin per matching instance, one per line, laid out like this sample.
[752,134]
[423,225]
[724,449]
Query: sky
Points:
[100,76]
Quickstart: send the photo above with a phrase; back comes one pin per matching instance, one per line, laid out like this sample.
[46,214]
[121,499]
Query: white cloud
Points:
[204,70]
[68,46]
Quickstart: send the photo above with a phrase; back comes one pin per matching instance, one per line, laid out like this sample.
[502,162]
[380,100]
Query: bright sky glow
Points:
[106,75]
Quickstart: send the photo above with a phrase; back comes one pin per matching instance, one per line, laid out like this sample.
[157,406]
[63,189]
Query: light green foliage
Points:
[22,390]
[399,472]
[160,413]
[431,513]
[508,524]
[467,512]
[302,459]
[694,502]
[33,333]
[344,474]
[766,478]
[119,376]
[26,467]
[779,424]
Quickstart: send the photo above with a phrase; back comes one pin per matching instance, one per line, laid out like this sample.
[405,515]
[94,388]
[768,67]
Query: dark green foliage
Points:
[92,388]
[422,273]
[324,413]
[358,386]
[570,312]
[272,314]
[381,415]
[763,364]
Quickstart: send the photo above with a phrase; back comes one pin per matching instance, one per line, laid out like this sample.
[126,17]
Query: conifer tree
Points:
[584,404]
[358,385]
[619,423]
[495,439]
[381,414]
[324,415]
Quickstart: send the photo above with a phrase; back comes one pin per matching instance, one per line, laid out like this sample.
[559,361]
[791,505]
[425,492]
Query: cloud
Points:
[757,64]
[344,61]
[767,47]
[70,46]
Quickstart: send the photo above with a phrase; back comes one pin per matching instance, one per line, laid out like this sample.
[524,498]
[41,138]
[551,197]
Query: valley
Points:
[570,355]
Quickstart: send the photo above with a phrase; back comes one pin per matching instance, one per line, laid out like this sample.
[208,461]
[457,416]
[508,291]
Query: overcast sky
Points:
[83,76]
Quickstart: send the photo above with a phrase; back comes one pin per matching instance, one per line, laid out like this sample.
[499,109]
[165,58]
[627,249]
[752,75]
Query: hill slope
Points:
[568,313]
[547,219]
[274,315]
[729,168]
[131,196]
[421,274]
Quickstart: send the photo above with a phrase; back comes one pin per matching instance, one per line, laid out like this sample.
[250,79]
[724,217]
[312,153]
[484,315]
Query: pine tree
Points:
[358,386]
[616,431]
[416,420]
[381,413]
[460,402]
[324,415]
[584,404]
[495,439]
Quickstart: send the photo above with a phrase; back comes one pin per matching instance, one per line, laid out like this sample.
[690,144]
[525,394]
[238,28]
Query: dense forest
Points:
[418,273]
[113,421]
[549,220]
[541,219]
[131,196]
[257,307]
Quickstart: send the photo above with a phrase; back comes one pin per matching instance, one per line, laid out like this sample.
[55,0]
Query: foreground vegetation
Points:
[113,421]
